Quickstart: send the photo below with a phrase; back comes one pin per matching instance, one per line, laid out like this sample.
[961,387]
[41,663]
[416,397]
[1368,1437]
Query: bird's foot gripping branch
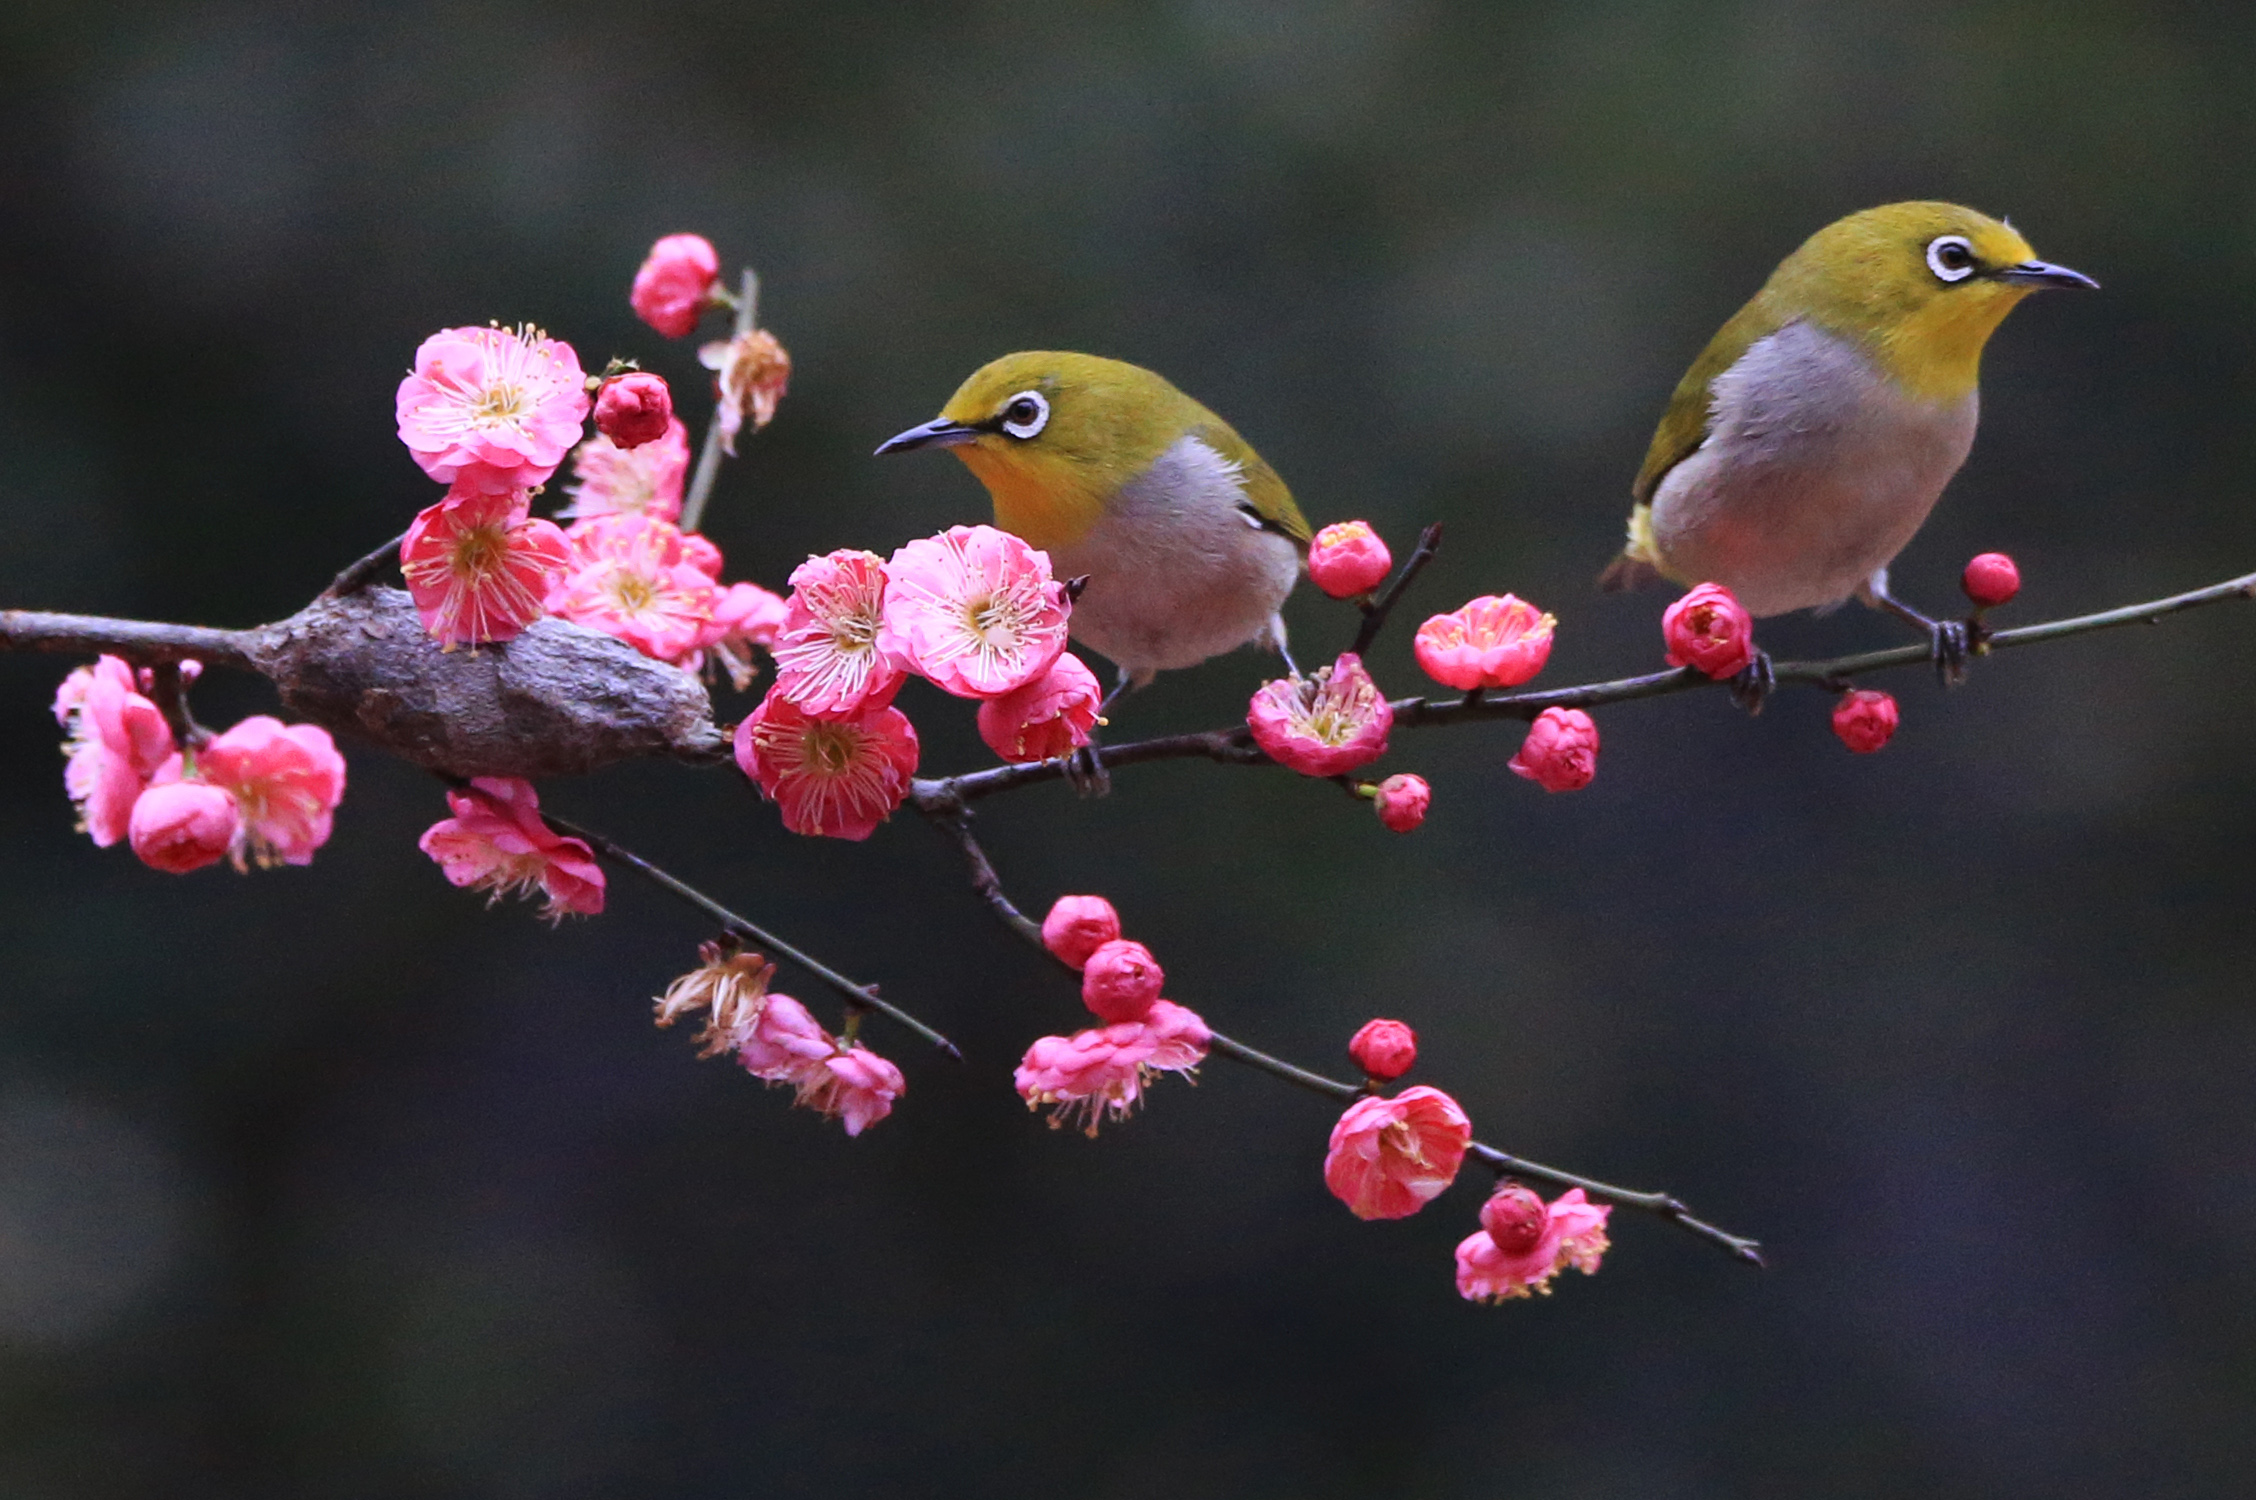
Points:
[523,648]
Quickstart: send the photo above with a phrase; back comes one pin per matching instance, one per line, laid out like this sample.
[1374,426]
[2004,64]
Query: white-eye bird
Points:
[1811,437]
[1189,540]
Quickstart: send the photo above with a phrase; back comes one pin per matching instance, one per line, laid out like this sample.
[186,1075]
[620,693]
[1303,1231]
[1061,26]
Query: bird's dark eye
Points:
[1025,414]
[1950,257]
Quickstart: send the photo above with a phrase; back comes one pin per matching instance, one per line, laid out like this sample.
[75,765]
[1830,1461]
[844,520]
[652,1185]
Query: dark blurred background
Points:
[329,1182]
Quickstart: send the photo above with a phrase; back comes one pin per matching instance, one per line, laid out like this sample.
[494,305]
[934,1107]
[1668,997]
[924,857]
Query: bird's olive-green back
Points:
[1864,278]
[1108,421]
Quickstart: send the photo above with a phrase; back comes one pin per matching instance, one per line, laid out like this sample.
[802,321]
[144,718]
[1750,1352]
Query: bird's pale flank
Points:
[1809,440]
[1189,540]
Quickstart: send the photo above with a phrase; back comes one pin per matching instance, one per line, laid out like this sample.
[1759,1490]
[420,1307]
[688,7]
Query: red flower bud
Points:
[1865,719]
[180,826]
[633,409]
[1384,1049]
[675,284]
[1709,630]
[1078,926]
[1347,558]
[1515,1218]
[1401,801]
[1991,580]
[1120,981]
[1560,753]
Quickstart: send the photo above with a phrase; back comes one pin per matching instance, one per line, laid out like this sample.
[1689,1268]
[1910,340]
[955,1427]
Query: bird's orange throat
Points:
[1048,500]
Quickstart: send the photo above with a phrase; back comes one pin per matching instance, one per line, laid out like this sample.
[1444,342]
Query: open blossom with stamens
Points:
[1390,1157]
[729,986]
[836,777]
[497,841]
[753,371]
[118,740]
[1524,1242]
[495,408]
[674,284]
[975,610]
[827,657]
[1048,717]
[632,577]
[608,480]
[287,780]
[1325,724]
[1105,1070]
[1495,641]
[478,568]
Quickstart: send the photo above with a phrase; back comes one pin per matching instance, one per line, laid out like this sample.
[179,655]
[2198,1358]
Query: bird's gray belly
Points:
[1176,571]
[1816,472]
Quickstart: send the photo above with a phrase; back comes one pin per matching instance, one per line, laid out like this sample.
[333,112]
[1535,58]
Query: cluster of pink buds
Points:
[974,611]
[775,1039]
[1107,1069]
[263,792]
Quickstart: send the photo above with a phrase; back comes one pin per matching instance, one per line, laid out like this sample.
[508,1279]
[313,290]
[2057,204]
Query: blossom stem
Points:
[859,996]
[955,821]
[709,456]
[144,642]
[363,572]
[1375,615]
[1236,747]
[170,695]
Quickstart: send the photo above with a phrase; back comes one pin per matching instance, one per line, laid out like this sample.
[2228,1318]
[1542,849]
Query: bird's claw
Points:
[1752,687]
[1949,643]
[1085,769]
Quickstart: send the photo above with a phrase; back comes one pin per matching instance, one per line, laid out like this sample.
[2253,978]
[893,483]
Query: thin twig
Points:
[170,694]
[145,642]
[1375,617]
[363,573]
[955,821]
[1235,746]
[709,456]
[860,995]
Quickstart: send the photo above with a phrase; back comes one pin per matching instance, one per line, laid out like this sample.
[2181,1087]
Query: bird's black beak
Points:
[2037,273]
[937,433]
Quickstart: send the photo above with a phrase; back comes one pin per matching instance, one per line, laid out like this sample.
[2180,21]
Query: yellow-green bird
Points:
[1811,437]
[1189,540]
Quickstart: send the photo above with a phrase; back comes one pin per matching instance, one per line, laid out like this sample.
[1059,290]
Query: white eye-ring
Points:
[1026,414]
[1950,257]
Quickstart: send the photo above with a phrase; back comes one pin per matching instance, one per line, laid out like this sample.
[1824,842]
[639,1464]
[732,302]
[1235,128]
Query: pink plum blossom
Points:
[182,826]
[856,1086]
[1384,1049]
[1348,558]
[827,657]
[634,409]
[752,371]
[1402,801]
[1390,1157]
[744,615]
[287,780]
[497,841]
[1105,1070]
[118,739]
[1121,981]
[700,553]
[1495,641]
[1048,717]
[839,778]
[494,408]
[631,577]
[674,284]
[974,610]
[785,1044]
[1560,753]
[1078,926]
[1325,724]
[647,481]
[1866,719]
[1523,1243]
[478,568]
[1710,631]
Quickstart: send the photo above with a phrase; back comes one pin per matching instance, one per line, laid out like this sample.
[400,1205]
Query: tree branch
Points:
[860,996]
[1375,616]
[145,642]
[362,573]
[709,456]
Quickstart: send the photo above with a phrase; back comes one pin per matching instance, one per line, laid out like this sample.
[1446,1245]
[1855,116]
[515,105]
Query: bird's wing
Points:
[1268,503]
[1684,426]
